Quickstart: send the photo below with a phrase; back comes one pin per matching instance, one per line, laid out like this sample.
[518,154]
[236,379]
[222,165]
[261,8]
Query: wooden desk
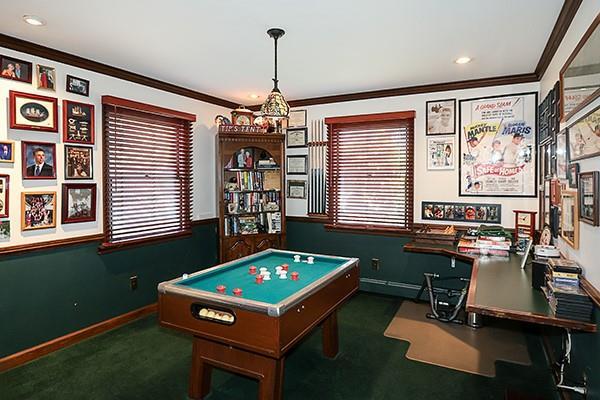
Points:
[500,288]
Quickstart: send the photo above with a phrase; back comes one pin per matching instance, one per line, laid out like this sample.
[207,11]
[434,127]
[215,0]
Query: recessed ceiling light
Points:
[463,60]
[34,20]
[253,96]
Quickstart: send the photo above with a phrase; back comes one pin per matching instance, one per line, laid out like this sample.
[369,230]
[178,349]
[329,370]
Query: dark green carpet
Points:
[143,361]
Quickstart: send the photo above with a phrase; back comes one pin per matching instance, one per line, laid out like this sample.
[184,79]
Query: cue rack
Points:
[317,168]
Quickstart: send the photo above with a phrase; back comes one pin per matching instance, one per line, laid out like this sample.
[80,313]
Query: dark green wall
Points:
[400,272]
[47,294]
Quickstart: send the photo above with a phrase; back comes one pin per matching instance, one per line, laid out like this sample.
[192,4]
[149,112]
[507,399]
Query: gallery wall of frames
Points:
[50,147]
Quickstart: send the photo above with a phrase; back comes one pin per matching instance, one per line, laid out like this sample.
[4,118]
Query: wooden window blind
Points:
[147,167]
[371,171]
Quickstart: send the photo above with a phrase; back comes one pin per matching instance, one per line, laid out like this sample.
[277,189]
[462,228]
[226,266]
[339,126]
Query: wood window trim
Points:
[371,120]
[141,113]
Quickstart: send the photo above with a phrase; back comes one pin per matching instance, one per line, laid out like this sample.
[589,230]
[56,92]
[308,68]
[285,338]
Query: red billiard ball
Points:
[221,288]
[237,291]
[259,279]
[295,276]
[252,269]
[285,267]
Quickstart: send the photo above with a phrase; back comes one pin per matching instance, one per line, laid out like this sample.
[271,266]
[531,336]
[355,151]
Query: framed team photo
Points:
[46,77]
[440,153]
[78,202]
[7,151]
[33,112]
[78,122]
[38,160]
[78,86]
[15,69]
[38,210]
[4,195]
[441,117]
[497,146]
[78,162]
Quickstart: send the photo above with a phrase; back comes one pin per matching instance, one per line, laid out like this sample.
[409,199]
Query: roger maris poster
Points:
[498,146]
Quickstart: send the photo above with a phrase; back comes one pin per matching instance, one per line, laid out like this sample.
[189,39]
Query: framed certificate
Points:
[297,119]
[296,189]
[296,165]
[297,137]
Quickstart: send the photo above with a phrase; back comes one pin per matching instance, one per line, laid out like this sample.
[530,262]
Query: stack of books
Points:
[485,245]
[565,296]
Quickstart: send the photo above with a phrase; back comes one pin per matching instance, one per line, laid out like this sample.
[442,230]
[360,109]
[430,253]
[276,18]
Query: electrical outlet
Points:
[133,282]
[375,264]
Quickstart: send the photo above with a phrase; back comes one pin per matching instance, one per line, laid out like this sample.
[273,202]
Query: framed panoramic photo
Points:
[78,202]
[15,69]
[296,189]
[584,136]
[497,146]
[38,160]
[38,210]
[33,112]
[46,77]
[79,162]
[4,195]
[297,165]
[441,117]
[297,137]
[7,151]
[440,153]
[589,199]
[78,122]
[78,86]
[461,212]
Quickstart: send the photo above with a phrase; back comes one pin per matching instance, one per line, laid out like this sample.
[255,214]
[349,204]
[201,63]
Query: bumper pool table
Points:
[250,333]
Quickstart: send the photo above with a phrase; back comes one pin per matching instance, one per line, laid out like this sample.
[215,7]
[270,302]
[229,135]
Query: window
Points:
[147,163]
[371,171]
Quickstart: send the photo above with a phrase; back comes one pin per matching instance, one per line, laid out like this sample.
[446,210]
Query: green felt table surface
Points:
[236,275]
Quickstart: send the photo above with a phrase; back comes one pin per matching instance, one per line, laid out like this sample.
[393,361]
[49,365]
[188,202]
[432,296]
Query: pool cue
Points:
[311,152]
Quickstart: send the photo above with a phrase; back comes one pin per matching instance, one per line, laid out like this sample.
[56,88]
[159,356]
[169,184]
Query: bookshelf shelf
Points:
[251,200]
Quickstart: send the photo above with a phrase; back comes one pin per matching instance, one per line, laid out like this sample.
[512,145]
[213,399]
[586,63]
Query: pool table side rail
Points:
[273,310]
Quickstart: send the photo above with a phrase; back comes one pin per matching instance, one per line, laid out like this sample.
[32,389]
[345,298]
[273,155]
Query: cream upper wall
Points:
[429,185]
[589,236]
[204,145]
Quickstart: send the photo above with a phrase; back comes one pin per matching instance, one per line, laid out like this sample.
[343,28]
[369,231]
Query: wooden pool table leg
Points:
[200,374]
[330,335]
[270,384]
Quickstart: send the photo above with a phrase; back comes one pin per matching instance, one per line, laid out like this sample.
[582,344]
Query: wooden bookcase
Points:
[250,190]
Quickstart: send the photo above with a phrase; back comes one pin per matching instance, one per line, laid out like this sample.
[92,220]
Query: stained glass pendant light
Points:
[275,106]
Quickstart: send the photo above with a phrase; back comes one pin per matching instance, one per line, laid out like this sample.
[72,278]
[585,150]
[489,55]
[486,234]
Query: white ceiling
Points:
[220,47]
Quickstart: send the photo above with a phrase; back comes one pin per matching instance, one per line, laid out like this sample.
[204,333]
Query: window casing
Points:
[147,170]
[371,172]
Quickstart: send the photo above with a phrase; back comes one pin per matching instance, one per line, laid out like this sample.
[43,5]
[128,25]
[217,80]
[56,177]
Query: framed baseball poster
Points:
[497,146]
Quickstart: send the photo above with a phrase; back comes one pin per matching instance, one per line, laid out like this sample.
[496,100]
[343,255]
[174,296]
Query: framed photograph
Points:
[297,137]
[38,210]
[562,156]
[243,158]
[78,86]
[569,219]
[584,137]
[79,162]
[296,189]
[78,122]
[546,201]
[297,119]
[440,153]
[4,195]
[78,202]
[441,117]
[15,69]
[573,174]
[38,160]
[546,163]
[498,145]
[461,212]
[297,165]
[589,199]
[4,230]
[7,151]
[33,112]
[46,77]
